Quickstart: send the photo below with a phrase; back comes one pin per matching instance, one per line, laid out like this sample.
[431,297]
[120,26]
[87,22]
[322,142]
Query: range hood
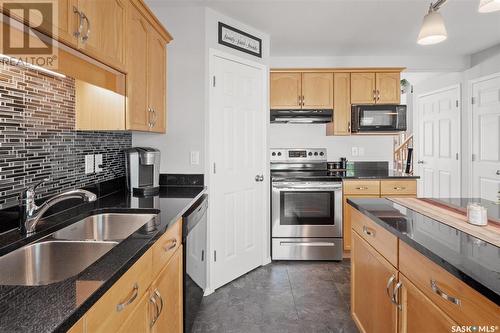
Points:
[301,116]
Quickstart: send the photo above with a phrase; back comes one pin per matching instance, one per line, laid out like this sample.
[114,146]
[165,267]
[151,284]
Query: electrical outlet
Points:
[195,157]
[354,151]
[361,151]
[98,163]
[89,164]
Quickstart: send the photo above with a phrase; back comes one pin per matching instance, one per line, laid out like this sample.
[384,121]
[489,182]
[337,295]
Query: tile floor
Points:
[282,297]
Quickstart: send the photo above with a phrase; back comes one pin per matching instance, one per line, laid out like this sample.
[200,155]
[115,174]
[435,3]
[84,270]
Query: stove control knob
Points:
[279,153]
[316,153]
[310,154]
[274,154]
[321,154]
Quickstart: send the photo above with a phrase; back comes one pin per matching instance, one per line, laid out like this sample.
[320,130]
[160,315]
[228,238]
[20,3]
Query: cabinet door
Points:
[78,327]
[371,307]
[67,23]
[137,117]
[317,90]
[346,227]
[105,28]
[286,89]
[140,319]
[420,314]
[363,88]
[342,104]
[169,287]
[157,80]
[388,88]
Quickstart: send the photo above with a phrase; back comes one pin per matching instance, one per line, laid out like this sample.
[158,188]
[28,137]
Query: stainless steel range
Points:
[306,206]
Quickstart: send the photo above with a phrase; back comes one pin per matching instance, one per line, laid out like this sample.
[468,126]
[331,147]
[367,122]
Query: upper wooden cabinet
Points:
[375,88]
[341,124]
[146,66]
[286,91]
[301,91]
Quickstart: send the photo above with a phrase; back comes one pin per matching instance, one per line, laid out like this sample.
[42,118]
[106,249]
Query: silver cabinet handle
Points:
[399,188]
[420,162]
[155,117]
[173,244]
[259,178]
[396,296]
[378,95]
[388,288]
[157,293]
[150,123]
[362,188]
[84,17]
[78,33]
[368,231]
[374,95]
[133,296]
[156,314]
[442,294]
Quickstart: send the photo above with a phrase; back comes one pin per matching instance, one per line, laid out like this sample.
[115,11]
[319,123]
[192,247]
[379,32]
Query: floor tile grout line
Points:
[293,297]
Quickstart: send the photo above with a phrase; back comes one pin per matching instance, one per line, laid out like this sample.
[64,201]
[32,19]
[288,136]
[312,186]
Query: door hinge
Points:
[456,156]
[473,157]
[213,81]
[473,100]
[215,255]
[215,169]
[202,255]
[456,103]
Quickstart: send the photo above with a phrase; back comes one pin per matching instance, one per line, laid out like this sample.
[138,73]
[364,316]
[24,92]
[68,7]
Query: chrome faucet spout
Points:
[31,213]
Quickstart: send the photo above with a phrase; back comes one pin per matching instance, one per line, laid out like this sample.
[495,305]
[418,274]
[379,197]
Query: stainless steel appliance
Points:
[143,170]
[301,116]
[306,206]
[195,264]
[378,118]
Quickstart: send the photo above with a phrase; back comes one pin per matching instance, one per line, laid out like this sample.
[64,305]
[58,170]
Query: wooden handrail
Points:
[401,154]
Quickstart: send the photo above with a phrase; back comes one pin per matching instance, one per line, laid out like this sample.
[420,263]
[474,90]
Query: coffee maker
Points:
[142,166]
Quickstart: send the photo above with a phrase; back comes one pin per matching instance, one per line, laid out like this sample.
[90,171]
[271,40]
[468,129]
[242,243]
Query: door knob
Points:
[498,172]
[259,178]
[420,162]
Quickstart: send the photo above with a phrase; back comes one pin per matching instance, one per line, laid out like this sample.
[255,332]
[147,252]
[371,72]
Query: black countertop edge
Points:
[85,306]
[473,283]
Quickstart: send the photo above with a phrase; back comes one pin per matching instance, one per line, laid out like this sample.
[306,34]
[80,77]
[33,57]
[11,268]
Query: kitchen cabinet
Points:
[79,327]
[341,124]
[146,79]
[301,90]
[141,318]
[418,313]
[371,305]
[67,22]
[286,91]
[346,212]
[375,88]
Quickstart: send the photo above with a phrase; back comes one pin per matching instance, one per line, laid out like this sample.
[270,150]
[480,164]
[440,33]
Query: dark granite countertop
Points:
[473,261]
[57,306]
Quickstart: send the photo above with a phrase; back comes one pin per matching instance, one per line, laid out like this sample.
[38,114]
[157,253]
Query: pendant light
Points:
[488,6]
[433,30]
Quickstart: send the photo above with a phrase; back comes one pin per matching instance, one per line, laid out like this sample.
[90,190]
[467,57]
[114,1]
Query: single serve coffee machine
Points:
[143,170]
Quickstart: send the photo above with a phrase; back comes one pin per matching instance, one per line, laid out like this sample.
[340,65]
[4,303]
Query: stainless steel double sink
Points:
[70,250]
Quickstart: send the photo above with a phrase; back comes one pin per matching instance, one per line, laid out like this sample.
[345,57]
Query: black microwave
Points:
[378,118]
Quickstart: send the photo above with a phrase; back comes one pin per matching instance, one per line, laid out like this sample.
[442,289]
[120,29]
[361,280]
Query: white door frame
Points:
[416,131]
[212,53]
[470,128]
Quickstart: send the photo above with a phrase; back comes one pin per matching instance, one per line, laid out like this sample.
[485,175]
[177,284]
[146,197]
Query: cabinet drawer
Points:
[382,240]
[119,302]
[166,246]
[398,187]
[362,187]
[468,306]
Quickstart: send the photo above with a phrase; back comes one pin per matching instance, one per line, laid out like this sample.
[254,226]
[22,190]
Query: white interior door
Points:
[486,138]
[238,150]
[438,163]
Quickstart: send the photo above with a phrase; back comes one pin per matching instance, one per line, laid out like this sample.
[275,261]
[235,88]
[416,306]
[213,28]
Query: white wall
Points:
[186,89]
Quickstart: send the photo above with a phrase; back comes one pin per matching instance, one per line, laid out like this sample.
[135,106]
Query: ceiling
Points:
[359,27]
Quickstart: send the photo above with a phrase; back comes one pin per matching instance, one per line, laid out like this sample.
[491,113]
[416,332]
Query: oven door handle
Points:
[315,189]
[308,243]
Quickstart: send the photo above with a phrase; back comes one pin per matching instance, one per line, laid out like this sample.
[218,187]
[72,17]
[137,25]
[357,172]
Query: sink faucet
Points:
[31,213]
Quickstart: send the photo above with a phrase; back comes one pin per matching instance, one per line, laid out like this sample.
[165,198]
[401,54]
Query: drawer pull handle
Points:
[441,293]
[156,312]
[170,245]
[395,294]
[362,188]
[388,288]
[157,293]
[368,231]
[135,292]
[399,188]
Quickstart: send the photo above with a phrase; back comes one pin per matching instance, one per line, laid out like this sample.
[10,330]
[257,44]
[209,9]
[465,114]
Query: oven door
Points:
[306,209]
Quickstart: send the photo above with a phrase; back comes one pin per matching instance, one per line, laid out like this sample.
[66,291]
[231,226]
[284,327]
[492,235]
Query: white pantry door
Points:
[237,134]
[438,163]
[486,138]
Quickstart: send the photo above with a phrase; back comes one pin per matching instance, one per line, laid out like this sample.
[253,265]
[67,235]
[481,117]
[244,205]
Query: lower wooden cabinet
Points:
[371,305]
[346,212]
[418,313]
[140,320]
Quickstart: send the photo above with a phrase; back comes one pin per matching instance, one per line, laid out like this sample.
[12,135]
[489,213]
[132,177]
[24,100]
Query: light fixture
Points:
[433,30]
[488,6]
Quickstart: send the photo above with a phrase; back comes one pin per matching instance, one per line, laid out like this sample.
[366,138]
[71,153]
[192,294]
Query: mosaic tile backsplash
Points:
[38,138]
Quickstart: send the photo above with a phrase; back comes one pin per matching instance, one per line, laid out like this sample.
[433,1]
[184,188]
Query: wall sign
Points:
[239,40]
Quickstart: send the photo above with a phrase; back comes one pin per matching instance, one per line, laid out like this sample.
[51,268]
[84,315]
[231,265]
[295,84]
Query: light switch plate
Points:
[354,151]
[195,157]
[98,163]
[89,164]
[361,151]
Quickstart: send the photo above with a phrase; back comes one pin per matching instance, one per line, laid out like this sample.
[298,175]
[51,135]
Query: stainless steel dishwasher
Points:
[194,238]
